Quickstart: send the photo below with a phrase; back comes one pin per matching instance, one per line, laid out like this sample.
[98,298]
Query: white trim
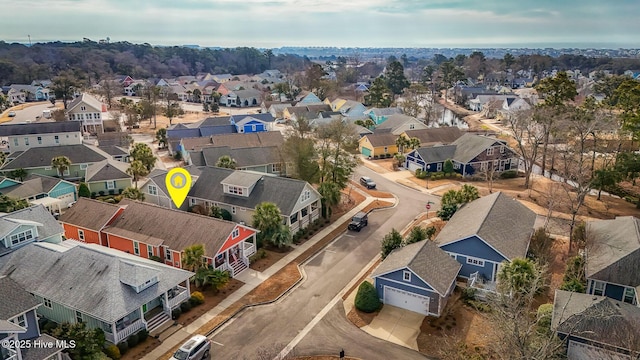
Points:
[384,292]
[481,239]
[475,261]
[411,285]
[81,234]
[405,277]
[136,248]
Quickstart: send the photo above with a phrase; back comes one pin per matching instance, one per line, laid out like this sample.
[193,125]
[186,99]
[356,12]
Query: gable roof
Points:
[442,135]
[87,277]
[438,153]
[468,146]
[158,177]
[149,224]
[502,222]
[41,156]
[381,139]
[235,140]
[40,128]
[265,117]
[596,318]
[15,300]
[107,170]
[281,191]
[87,99]
[244,157]
[36,215]
[33,185]
[396,120]
[89,214]
[385,111]
[244,94]
[113,150]
[426,260]
[114,139]
[614,254]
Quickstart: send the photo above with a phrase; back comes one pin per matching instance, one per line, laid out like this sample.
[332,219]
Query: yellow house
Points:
[378,144]
[335,104]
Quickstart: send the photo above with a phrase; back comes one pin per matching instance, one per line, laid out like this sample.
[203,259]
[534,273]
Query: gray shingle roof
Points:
[158,177]
[266,117]
[107,170]
[86,277]
[278,190]
[40,353]
[15,300]
[442,135]
[396,120]
[241,178]
[38,214]
[468,146]
[386,111]
[427,261]
[435,154]
[113,150]
[40,128]
[42,156]
[381,139]
[87,99]
[148,223]
[244,157]
[614,255]
[502,222]
[596,318]
[89,214]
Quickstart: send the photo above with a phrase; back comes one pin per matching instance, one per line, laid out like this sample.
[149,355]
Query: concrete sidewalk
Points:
[251,280]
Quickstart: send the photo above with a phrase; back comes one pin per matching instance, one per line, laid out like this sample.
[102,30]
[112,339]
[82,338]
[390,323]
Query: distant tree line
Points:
[23,64]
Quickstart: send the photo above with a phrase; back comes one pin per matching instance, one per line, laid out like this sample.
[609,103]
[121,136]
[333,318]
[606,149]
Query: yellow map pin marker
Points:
[178,181]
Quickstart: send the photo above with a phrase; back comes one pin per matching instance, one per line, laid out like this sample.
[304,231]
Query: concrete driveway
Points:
[396,325]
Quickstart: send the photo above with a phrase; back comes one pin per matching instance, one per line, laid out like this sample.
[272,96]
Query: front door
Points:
[144,308]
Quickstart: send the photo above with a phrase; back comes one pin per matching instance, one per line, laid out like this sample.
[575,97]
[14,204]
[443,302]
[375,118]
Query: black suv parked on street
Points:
[359,221]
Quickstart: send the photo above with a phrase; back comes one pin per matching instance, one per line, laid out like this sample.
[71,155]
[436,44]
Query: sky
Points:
[339,23]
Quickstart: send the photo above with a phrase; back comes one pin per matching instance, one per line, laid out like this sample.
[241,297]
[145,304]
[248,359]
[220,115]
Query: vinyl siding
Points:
[126,245]
[475,247]
[47,140]
[32,326]
[97,186]
[60,314]
[398,276]
[90,236]
[63,188]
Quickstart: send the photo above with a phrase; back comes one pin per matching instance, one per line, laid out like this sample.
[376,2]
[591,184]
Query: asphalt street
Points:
[29,114]
[274,326]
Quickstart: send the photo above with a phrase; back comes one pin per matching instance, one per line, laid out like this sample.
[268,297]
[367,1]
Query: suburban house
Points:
[155,188]
[434,136]
[21,137]
[378,144]
[477,103]
[261,159]
[596,327]
[117,153]
[277,109]
[612,258]
[418,277]
[107,177]
[32,224]
[15,96]
[18,321]
[470,154]
[31,92]
[142,229]
[55,194]
[252,123]
[486,232]
[38,160]
[348,108]
[513,105]
[310,99]
[104,288]
[239,192]
[203,128]
[193,146]
[307,111]
[242,98]
[380,115]
[89,111]
[399,123]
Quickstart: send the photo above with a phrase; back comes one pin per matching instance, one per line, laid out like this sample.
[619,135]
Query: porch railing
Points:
[249,249]
[482,287]
[9,355]
[179,297]
[124,333]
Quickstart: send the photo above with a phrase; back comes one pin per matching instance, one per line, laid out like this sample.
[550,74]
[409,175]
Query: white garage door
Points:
[413,166]
[66,200]
[406,300]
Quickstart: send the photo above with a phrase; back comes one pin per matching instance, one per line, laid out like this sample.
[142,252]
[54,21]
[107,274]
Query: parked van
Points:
[46,114]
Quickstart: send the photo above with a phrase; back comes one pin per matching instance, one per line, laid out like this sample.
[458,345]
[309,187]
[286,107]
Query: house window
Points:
[439,166]
[475,261]
[490,151]
[501,149]
[167,254]
[56,139]
[483,166]
[304,212]
[81,234]
[276,167]
[83,166]
[192,201]
[406,275]
[20,320]
[136,248]
[253,128]
[149,250]
[495,162]
[111,185]
[26,141]
[306,195]
[293,218]
[235,190]
[412,126]
[456,166]
[236,233]
[21,237]
[629,295]
[40,140]
[15,141]
[89,116]
[598,288]
[153,190]
[78,317]
[47,303]
[83,108]
[386,150]
[96,116]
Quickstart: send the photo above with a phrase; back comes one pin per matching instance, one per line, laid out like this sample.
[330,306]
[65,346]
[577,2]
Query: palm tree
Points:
[401,143]
[414,143]
[137,169]
[208,276]
[61,163]
[192,257]
[225,161]
[133,194]
[468,193]
[330,193]
[19,174]
[282,237]
[197,94]
[267,218]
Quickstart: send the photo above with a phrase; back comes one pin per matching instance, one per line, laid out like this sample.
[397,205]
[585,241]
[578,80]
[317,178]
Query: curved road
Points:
[327,274]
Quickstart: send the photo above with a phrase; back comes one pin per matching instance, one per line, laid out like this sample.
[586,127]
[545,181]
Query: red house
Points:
[151,231]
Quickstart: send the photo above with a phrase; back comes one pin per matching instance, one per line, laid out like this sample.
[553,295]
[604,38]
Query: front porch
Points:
[236,258]
[305,216]
[483,287]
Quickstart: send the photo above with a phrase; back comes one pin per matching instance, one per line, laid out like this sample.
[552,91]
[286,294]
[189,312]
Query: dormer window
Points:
[236,190]
[306,195]
[21,237]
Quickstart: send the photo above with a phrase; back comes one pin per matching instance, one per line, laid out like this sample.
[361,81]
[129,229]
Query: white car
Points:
[197,348]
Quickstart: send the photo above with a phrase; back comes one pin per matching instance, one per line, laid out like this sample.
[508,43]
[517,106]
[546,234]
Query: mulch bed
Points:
[359,318]
[211,299]
[273,256]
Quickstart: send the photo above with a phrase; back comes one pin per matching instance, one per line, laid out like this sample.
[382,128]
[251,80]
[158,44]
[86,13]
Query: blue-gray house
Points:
[251,123]
[418,277]
[486,232]
[613,259]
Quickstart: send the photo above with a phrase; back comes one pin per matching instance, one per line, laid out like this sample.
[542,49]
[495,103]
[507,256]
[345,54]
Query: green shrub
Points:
[387,155]
[367,298]
[120,191]
[375,157]
[83,190]
[468,294]
[132,341]
[185,306]
[123,347]
[421,174]
[113,352]
[175,314]
[142,335]
[101,193]
[112,192]
[155,258]
[509,174]
[197,298]
[631,199]
[94,195]
[544,317]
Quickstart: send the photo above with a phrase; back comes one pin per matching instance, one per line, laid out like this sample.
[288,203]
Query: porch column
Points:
[113,331]
[188,287]
[165,303]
